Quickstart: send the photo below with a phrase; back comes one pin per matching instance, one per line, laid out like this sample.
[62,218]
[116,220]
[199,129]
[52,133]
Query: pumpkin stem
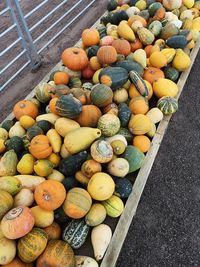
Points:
[46,197]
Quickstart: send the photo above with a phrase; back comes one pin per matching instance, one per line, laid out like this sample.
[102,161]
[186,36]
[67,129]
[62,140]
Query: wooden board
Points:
[126,218]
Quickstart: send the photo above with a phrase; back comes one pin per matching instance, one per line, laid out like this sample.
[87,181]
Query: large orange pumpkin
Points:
[77,203]
[58,253]
[90,37]
[89,116]
[107,55]
[122,47]
[18,263]
[17,222]
[152,74]
[25,107]
[53,231]
[74,58]
[40,147]
[50,194]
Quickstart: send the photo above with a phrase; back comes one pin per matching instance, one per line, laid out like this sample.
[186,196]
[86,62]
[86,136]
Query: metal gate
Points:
[28,47]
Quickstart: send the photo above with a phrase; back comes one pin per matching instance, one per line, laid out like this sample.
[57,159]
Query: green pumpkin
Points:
[130,64]
[177,41]
[171,73]
[102,30]
[134,157]
[68,106]
[75,82]
[43,92]
[15,143]
[44,125]
[7,124]
[123,187]
[92,51]
[114,77]
[112,5]
[168,105]
[33,131]
[124,114]
[153,8]
[101,95]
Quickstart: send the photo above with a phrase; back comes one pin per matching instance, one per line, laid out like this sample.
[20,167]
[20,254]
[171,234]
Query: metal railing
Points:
[31,48]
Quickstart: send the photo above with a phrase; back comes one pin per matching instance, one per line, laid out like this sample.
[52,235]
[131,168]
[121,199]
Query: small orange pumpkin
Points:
[61,77]
[52,105]
[74,58]
[89,116]
[50,194]
[152,74]
[25,107]
[139,105]
[142,142]
[40,147]
[148,49]
[136,44]
[94,63]
[107,54]
[90,167]
[53,231]
[90,37]
[122,46]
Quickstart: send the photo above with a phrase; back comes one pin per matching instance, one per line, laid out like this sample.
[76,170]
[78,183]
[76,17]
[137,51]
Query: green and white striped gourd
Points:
[168,105]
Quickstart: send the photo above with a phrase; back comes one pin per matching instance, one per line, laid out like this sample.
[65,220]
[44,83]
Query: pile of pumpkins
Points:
[66,158]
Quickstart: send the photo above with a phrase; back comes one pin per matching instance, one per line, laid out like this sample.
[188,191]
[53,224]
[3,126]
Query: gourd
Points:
[139,105]
[26,164]
[168,105]
[77,203]
[90,37]
[16,130]
[6,125]
[89,116]
[43,167]
[24,198]
[125,31]
[16,262]
[170,4]
[26,121]
[43,92]
[30,181]
[49,195]
[152,74]
[142,142]
[101,151]
[53,231]
[107,55]
[124,114]
[114,206]
[90,167]
[8,163]
[81,178]
[68,106]
[50,117]
[177,41]
[165,87]
[169,30]
[114,77]
[56,175]
[86,135]
[158,59]
[139,124]
[171,73]
[32,245]
[7,250]
[101,186]
[25,107]
[181,61]
[130,64]
[43,218]
[92,51]
[6,202]
[55,140]
[169,54]
[120,96]
[85,261]
[10,184]
[123,187]
[33,131]
[75,233]
[101,95]
[96,215]
[145,36]
[140,57]
[118,167]
[134,157]
[139,83]
[100,238]
[40,147]
[65,125]
[17,222]
[108,124]
[57,253]
[155,27]
[155,115]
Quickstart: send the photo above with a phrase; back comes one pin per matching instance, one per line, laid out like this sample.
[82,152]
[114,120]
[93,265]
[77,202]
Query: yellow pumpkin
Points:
[139,124]
[26,164]
[43,167]
[26,121]
[7,250]
[165,87]
[158,59]
[188,3]
[196,24]
[169,53]
[43,218]
[181,61]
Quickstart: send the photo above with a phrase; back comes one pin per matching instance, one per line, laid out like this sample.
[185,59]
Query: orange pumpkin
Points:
[25,107]
[61,77]
[159,14]
[58,253]
[94,63]
[142,142]
[79,94]
[139,105]
[111,108]
[40,147]
[50,194]
[152,74]
[135,18]
[53,231]
[148,49]
[90,37]
[89,116]
[77,203]
[107,54]
[133,92]
[74,58]
[122,47]
[18,263]
[90,167]
[135,45]
[87,72]
[17,222]
[52,105]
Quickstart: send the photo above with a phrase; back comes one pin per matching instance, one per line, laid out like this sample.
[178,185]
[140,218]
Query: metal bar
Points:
[67,25]
[12,61]
[4,10]
[51,12]
[55,23]
[8,30]
[10,46]
[16,73]
[35,9]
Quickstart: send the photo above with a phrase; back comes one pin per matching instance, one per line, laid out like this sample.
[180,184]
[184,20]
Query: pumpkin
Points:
[139,124]
[90,37]
[101,151]
[139,105]
[107,55]
[158,60]
[43,92]
[77,203]
[53,231]
[89,116]
[101,186]
[6,201]
[122,47]
[114,206]
[79,94]
[26,121]
[50,195]
[171,4]
[94,63]
[61,77]
[118,167]
[52,105]
[33,131]
[68,106]
[57,253]
[142,142]
[87,72]
[181,61]
[165,87]
[152,74]
[96,215]
[18,263]
[106,40]
[30,246]
[44,125]
[90,167]
[43,218]
[17,222]
[74,58]
[109,124]
[7,251]
[16,143]
[168,105]
[101,95]
[25,107]
[136,44]
[40,147]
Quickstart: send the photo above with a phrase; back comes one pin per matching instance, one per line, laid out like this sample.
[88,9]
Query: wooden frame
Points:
[121,230]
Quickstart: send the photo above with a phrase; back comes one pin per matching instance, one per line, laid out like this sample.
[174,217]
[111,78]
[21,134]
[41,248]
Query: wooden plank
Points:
[125,220]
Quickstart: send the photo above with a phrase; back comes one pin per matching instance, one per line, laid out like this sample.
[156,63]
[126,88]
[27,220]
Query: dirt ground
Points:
[21,86]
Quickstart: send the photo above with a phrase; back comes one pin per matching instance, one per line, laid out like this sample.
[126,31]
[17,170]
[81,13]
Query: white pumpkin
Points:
[172,4]
[131,11]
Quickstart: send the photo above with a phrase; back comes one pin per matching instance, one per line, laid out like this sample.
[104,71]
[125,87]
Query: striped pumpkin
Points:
[168,105]
[68,106]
